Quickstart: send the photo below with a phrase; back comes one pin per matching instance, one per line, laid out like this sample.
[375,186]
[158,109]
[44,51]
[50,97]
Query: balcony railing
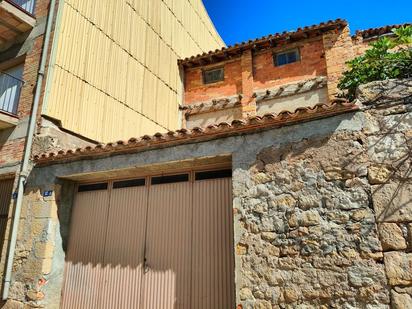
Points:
[10,88]
[27,5]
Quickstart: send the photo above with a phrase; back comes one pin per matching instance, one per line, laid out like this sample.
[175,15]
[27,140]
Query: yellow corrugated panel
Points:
[119,69]
[152,51]
[174,73]
[173,111]
[143,8]
[166,22]
[154,15]
[99,84]
[150,85]
[162,103]
[134,84]
[139,29]
[164,60]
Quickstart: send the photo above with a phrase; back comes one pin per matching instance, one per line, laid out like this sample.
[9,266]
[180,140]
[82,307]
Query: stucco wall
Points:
[291,103]
[322,211]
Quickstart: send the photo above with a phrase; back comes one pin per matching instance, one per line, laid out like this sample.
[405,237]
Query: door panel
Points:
[166,282]
[85,250]
[124,252]
[182,232]
[212,251]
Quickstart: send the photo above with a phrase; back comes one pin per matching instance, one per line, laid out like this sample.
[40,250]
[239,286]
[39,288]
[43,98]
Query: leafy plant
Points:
[387,58]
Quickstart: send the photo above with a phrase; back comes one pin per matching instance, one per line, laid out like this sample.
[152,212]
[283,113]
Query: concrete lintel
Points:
[7,121]
[18,13]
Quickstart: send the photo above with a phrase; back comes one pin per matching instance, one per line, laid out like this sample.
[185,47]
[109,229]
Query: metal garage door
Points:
[155,242]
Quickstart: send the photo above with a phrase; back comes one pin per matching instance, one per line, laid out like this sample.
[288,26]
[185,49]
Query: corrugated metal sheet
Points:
[124,249]
[83,273]
[154,246]
[103,51]
[212,251]
[166,282]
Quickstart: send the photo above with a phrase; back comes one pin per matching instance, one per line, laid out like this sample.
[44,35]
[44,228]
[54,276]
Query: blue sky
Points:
[241,20]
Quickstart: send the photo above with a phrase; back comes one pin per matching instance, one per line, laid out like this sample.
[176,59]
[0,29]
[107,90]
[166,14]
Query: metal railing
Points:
[27,5]
[10,89]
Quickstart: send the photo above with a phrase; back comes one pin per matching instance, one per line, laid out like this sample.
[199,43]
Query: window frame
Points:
[8,71]
[204,71]
[285,52]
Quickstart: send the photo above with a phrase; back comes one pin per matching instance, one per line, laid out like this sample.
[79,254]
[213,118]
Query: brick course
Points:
[11,150]
[322,54]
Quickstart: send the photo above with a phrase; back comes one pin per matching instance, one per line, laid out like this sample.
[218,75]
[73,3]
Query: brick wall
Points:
[11,148]
[338,50]
[311,64]
[244,76]
[197,91]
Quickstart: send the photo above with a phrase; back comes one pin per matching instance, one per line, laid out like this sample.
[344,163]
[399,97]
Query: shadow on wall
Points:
[390,148]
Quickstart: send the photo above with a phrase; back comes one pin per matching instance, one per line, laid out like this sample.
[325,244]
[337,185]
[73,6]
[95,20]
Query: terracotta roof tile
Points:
[373,32]
[263,42]
[198,134]
[212,105]
[291,89]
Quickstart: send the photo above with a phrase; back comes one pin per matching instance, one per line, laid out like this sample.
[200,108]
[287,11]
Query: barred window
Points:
[287,57]
[213,75]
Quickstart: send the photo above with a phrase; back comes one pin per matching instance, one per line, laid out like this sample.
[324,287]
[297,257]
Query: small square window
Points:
[213,76]
[287,57]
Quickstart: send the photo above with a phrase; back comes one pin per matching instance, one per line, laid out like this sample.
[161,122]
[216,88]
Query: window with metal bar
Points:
[170,179]
[213,75]
[213,174]
[10,88]
[286,57]
[129,183]
[93,187]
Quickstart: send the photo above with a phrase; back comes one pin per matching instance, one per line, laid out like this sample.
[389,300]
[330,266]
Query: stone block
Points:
[398,267]
[44,250]
[391,237]
[246,294]
[44,209]
[268,236]
[290,295]
[388,148]
[378,174]
[309,218]
[392,202]
[386,91]
[47,266]
[401,300]
[241,249]
[396,123]
[12,304]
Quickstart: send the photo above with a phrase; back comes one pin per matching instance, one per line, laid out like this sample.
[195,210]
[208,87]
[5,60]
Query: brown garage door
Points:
[158,242]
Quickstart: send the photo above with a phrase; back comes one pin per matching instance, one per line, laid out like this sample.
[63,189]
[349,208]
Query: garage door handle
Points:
[146,268]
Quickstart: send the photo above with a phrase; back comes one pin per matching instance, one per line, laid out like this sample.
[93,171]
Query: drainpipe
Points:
[27,151]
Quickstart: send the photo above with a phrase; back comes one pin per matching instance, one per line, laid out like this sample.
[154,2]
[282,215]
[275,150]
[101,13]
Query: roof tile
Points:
[225,52]
[198,134]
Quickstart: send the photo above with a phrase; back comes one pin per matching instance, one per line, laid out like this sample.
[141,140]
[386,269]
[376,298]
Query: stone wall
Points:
[326,222]
[323,209]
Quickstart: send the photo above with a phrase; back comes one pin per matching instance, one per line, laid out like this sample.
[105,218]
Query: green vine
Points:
[387,58]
